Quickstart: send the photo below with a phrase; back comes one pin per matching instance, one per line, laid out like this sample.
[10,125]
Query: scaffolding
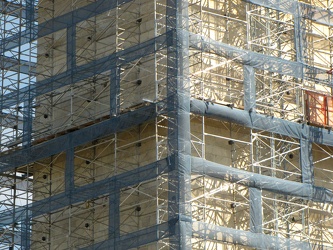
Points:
[166,124]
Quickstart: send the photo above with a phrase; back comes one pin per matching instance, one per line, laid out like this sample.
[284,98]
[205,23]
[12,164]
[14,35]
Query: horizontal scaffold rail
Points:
[316,14]
[79,137]
[198,42]
[272,184]
[253,120]
[86,192]
[58,23]
[257,60]
[85,71]
[263,122]
[199,166]
[313,13]
[18,66]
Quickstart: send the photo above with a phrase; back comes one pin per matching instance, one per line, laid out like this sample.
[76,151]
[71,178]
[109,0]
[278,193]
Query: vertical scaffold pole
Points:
[179,145]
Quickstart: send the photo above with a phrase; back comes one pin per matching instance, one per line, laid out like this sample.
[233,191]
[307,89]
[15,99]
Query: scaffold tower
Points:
[166,124]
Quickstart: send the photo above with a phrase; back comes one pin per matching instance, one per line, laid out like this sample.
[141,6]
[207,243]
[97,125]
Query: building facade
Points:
[166,124]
